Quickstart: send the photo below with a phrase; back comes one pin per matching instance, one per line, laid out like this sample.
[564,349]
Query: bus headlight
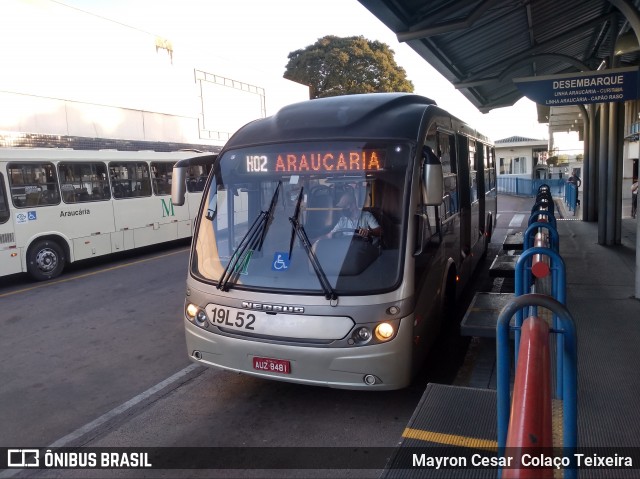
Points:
[201,317]
[196,315]
[373,333]
[362,335]
[384,331]
[192,311]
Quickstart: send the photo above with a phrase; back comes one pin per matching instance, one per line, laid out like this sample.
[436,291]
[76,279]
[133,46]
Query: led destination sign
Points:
[317,162]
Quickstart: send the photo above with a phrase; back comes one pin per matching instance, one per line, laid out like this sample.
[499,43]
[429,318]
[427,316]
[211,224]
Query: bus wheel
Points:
[45,260]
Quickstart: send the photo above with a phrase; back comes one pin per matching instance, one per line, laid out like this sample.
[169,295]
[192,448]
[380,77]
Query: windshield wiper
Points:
[269,214]
[294,218]
[250,242]
[298,229]
[212,212]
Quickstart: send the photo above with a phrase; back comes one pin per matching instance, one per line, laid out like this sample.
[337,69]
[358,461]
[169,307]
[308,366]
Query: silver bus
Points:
[334,239]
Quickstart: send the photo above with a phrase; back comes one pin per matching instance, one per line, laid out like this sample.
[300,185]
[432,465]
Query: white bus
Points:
[281,287]
[58,206]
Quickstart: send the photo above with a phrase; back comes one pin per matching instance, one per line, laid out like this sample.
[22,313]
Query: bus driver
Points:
[353,219]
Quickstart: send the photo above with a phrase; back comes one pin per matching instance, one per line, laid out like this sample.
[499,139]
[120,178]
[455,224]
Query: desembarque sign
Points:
[606,86]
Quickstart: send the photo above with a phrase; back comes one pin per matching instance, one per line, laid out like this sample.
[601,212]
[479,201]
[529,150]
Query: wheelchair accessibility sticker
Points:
[280,261]
[22,217]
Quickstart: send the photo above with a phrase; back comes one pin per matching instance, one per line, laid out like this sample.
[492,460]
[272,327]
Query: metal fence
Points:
[529,187]
[571,196]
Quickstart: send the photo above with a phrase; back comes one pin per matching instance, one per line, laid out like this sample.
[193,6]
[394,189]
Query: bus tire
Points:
[45,260]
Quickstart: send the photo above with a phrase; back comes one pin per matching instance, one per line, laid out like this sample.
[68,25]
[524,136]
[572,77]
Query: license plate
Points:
[232,318]
[282,325]
[272,365]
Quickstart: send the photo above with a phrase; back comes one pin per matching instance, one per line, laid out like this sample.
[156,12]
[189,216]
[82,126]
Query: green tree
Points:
[341,66]
[552,161]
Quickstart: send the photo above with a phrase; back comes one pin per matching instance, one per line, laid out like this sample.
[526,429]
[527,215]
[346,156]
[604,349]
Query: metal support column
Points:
[586,170]
[637,258]
[619,141]
[612,163]
[602,172]
[592,184]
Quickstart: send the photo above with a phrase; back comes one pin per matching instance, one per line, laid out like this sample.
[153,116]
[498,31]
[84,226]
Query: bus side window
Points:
[130,179]
[427,217]
[83,182]
[432,223]
[100,184]
[446,153]
[197,178]
[161,177]
[4,206]
[473,170]
[490,179]
[33,184]
[144,179]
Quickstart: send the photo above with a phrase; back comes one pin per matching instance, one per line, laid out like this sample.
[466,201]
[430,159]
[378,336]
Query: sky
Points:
[255,36]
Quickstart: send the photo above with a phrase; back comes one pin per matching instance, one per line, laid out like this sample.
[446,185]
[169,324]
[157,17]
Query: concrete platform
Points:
[482,315]
[467,426]
[513,241]
[600,297]
[504,265]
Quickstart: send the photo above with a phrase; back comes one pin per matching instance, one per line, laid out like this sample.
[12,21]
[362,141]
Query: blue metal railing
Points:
[541,218]
[571,196]
[523,280]
[527,186]
[524,277]
[534,227]
[570,360]
[544,204]
[548,216]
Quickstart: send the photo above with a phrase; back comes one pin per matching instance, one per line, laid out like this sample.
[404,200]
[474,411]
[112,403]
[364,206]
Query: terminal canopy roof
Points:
[481,45]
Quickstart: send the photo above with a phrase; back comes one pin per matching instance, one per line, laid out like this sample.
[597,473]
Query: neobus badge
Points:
[275,308]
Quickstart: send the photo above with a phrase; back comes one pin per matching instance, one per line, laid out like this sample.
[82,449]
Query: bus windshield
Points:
[346,198]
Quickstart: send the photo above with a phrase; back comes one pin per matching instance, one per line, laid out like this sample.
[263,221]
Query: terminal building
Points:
[492,52]
[522,157]
[132,90]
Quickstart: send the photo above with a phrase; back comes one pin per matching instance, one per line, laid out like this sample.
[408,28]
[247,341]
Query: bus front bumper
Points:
[345,368]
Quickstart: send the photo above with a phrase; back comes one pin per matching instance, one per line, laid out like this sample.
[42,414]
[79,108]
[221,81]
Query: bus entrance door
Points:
[9,253]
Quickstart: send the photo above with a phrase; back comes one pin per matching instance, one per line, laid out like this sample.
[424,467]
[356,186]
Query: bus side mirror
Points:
[434,184]
[178,185]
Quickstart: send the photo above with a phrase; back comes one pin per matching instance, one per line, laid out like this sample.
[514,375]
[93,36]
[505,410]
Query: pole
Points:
[602,173]
[587,199]
[637,257]
[619,170]
[612,161]
[593,164]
